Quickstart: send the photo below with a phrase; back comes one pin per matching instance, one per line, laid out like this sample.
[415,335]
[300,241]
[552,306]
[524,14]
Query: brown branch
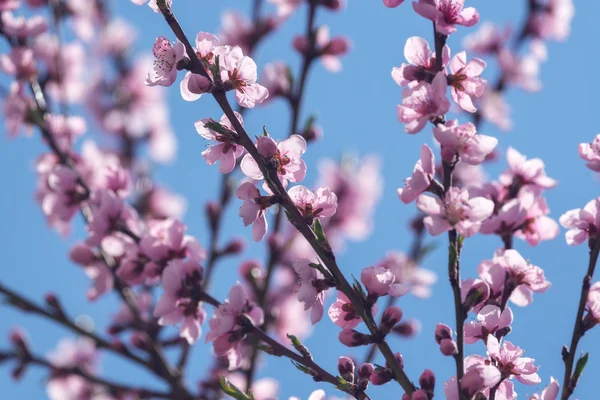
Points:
[295,217]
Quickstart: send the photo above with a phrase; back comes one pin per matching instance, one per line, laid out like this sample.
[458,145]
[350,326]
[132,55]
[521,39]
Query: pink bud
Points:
[442,331]
[408,329]
[82,254]
[381,376]
[352,338]
[477,294]
[301,44]
[392,3]
[365,370]
[334,5]
[448,347]
[420,395]
[399,360]
[346,368]
[377,280]
[267,147]
[18,339]
[391,316]
[139,340]
[213,213]
[51,300]
[427,380]
[235,246]
[337,47]
[251,270]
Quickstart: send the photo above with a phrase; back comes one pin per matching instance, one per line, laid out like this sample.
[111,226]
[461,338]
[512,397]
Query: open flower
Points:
[489,320]
[422,62]
[311,286]
[525,172]
[465,80]
[423,102]
[446,14]
[421,178]
[226,151]
[582,223]
[319,204]
[285,156]
[463,141]
[164,69]
[238,72]
[457,211]
[590,152]
[253,210]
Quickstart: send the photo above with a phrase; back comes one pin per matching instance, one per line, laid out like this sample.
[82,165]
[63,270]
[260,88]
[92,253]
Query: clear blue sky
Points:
[357,109]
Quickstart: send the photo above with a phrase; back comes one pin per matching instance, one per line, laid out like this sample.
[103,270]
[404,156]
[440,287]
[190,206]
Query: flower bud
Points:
[442,331]
[419,395]
[334,5]
[352,338]
[235,246]
[213,213]
[377,280]
[399,360]
[346,368]
[408,329]
[251,270]
[18,371]
[427,380]
[365,370]
[18,340]
[138,340]
[337,46]
[82,254]
[391,316]
[478,293]
[448,347]
[392,3]
[313,132]
[381,376]
[301,44]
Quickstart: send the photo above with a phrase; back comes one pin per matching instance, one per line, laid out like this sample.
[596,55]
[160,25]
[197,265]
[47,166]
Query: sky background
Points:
[357,109]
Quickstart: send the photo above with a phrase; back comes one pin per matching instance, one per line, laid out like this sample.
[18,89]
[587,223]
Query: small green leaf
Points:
[319,232]
[302,349]
[302,368]
[232,391]
[265,133]
[580,366]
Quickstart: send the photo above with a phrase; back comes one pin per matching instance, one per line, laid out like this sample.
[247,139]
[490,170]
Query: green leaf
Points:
[265,133]
[358,287]
[302,368]
[319,232]
[232,391]
[302,349]
[580,366]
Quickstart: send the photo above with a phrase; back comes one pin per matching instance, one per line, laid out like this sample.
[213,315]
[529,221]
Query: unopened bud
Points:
[18,340]
[138,340]
[408,329]
[346,369]
[442,332]
[399,360]
[477,294]
[352,338]
[235,246]
[427,380]
[334,5]
[18,371]
[364,374]
[391,316]
[213,213]
[448,347]
[381,376]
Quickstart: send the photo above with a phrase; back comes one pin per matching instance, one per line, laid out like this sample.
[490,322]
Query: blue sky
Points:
[357,109]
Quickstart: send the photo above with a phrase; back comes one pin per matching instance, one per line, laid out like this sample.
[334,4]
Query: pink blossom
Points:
[253,210]
[238,72]
[318,204]
[520,71]
[316,395]
[343,314]
[181,281]
[525,172]
[64,196]
[523,277]
[166,240]
[464,142]
[488,39]
[359,185]
[421,178]
[194,85]
[285,8]
[152,4]
[164,69]
[590,152]
[422,62]
[9,5]
[474,293]
[495,109]
[22,27]
[285,156]
[236,30]
[226,151]
[489,320]
[465,80]
[582,223]
[66,129]
[226,332]
[16,107]
[423,102]
[377,280]
[550,392]
[510,361]
[329,50]
[593,301]
[457,211]
[19,63]
[408,275]
[446,14]
[107,212]
[311,288]
[537,225]
[553,19]
[392,3]
[276,78]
